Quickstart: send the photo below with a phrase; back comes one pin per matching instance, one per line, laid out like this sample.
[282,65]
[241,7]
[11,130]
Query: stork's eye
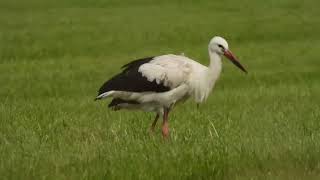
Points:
[220,46]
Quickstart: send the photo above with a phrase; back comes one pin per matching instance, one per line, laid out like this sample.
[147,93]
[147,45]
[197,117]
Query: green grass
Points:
[54,56]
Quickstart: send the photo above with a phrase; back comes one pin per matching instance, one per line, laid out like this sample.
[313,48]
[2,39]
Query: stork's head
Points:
[219,45]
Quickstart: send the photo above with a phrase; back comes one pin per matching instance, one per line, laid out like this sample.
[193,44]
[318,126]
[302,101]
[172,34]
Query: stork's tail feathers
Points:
[97,98]
[103,95]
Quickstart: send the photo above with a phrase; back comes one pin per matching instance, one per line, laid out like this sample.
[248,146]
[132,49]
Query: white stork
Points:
[156,84]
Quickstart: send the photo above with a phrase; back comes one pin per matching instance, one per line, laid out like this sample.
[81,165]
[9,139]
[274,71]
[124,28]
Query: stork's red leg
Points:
[165,125]
[154,123]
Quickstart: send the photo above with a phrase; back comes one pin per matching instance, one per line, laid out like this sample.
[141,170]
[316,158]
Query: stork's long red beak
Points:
[233,59]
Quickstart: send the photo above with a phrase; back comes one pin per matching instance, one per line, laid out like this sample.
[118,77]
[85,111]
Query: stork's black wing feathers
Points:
[131,80]
[137,62]
[117,101]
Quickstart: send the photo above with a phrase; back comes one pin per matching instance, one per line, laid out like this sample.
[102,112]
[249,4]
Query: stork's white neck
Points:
[210,77]
[214,68]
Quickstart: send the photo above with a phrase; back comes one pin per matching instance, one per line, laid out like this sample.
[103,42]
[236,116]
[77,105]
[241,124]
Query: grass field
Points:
[54,55]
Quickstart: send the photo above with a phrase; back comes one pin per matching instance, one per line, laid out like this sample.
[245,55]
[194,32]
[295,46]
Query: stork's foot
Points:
[152,130]
[165,130]
[153,126]
[165,124]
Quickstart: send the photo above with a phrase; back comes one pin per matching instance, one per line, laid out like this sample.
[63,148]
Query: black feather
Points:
[137,62]
[131,80]
[117,101]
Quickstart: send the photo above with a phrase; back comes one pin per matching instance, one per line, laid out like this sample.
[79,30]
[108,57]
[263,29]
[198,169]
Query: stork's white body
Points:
[186,77]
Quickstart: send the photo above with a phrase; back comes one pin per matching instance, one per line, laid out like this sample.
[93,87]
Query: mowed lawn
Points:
[54,56]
